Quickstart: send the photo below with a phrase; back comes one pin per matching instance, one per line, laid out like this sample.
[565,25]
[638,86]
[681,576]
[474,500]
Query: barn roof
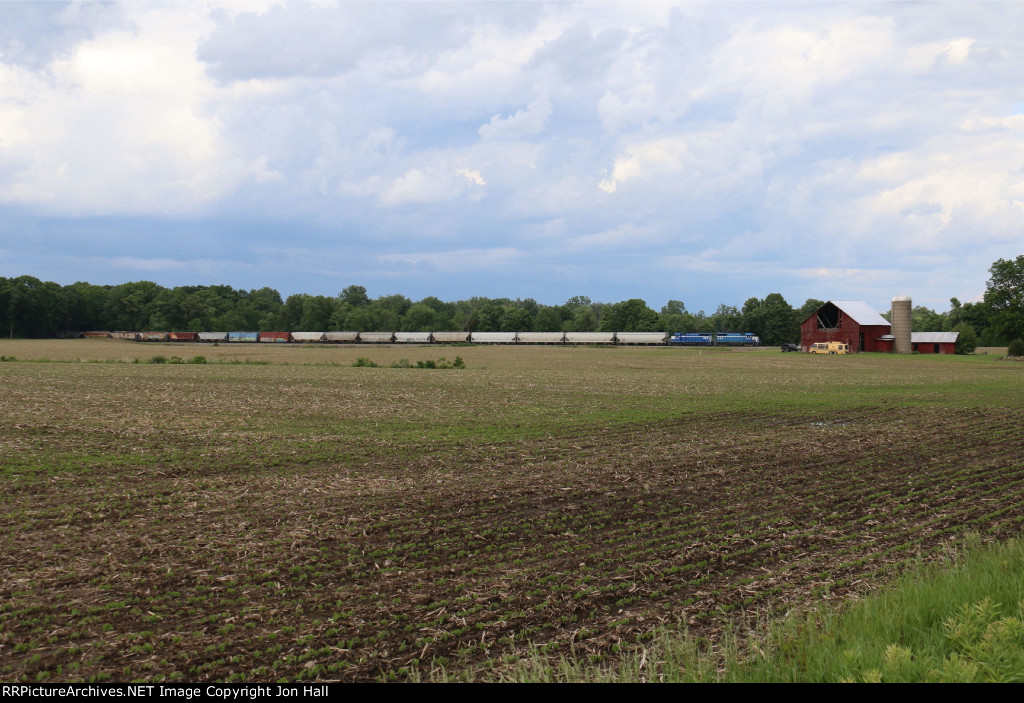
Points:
[861,313]
[933,337]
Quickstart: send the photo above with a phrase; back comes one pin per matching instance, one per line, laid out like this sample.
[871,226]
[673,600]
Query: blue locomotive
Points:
[707,339]
[745,339]
[702,339]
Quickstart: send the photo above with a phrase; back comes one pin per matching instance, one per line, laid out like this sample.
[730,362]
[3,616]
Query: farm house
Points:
[851,322]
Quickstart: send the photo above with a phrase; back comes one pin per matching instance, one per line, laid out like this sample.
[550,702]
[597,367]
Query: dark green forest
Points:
[33,308]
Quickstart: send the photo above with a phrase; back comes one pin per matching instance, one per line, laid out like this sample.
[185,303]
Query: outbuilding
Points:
[933,342]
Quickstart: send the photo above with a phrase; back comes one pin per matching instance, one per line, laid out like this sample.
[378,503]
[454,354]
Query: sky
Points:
[702,152]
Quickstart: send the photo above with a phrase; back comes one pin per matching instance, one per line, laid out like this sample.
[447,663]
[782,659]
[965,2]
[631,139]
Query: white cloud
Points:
[459,260]
[119,124]
[647,161]
[1014,123]
[617,112]
[431,185]
[135,263]
[524,123]
[485,67]
[789,61]
[928,195]
[471,175]
[624,237]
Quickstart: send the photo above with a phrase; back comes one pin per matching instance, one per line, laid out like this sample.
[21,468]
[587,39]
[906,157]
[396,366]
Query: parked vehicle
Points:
[829,348]
[788,347]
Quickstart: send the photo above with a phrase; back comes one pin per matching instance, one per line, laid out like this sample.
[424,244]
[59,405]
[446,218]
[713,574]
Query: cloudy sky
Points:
[705,152]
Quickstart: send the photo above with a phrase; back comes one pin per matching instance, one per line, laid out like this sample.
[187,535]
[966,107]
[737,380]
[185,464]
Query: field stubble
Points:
[308,520]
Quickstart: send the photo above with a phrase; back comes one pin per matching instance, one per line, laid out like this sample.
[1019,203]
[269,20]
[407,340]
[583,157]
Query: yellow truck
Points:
[829,348]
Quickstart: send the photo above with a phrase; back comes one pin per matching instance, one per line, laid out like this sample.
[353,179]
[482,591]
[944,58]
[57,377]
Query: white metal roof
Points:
[861,313]
[933,337]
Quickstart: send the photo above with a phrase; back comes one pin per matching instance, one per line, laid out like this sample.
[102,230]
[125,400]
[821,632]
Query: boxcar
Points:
[275,337]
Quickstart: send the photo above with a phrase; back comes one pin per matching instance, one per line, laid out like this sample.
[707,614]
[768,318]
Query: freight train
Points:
[707,339]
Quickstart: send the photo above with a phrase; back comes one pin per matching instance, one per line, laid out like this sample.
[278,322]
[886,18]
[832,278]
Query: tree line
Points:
[33,308]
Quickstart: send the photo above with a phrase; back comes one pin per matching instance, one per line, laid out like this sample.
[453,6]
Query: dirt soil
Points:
[474,554]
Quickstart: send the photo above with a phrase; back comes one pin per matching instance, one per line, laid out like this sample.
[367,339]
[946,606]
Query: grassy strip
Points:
[958,620]
[442,363]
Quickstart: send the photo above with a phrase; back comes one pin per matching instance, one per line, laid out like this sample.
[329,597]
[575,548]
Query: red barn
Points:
[848,321]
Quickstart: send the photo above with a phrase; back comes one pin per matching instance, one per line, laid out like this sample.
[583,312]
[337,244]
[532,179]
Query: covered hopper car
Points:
[607,338]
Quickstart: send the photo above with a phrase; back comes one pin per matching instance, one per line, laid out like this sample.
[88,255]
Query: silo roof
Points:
[861,313]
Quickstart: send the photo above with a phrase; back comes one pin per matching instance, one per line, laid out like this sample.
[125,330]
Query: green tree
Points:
[674,318]
[675,323]
[516,319]
[674,307]
[373,319]
[702,323]
[354,296]
[975,315]
[338,320]
[33,308]
[130,305]
[585,320]
[1005,296]
[926,320]
[548,319]
[967,340]
[727,319]
[772,319]
[530,306]
[578,301]
[419,318]
[316,314]
[396,303]
[489,317]
[631,315]
[443,312]
[291,312]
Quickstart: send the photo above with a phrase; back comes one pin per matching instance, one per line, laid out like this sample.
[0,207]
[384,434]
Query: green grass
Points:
[957,620]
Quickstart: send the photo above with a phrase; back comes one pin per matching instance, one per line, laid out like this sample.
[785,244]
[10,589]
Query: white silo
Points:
[901,324]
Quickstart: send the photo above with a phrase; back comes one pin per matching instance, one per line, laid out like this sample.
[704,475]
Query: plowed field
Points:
[309,521]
